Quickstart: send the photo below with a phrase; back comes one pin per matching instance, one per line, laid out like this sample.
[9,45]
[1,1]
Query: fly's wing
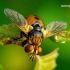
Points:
[54,28]
[18,19]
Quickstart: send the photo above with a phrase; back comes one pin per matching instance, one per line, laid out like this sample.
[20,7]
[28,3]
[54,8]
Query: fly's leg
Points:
[19,37]
[32,56]
[24,43]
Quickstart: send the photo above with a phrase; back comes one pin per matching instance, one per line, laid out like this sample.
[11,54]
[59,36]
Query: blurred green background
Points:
[48,10]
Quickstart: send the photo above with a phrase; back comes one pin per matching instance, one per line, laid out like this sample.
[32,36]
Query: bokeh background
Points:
[48,10]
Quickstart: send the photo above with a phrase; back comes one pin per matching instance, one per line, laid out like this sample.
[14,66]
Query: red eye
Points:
[29,48]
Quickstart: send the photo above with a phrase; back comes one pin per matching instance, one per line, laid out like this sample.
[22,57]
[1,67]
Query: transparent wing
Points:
[18,19]
[54,28]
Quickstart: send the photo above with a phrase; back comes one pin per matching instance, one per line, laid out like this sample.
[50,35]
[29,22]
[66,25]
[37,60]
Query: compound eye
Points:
[29,49]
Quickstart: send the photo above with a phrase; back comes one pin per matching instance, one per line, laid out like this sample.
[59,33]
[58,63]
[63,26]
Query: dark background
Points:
[48,10]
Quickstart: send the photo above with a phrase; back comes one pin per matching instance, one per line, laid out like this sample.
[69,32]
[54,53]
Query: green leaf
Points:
[61,37]
[8,31]
[47,62]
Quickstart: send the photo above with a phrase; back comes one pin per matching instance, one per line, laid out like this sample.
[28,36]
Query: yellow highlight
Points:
[31,51]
